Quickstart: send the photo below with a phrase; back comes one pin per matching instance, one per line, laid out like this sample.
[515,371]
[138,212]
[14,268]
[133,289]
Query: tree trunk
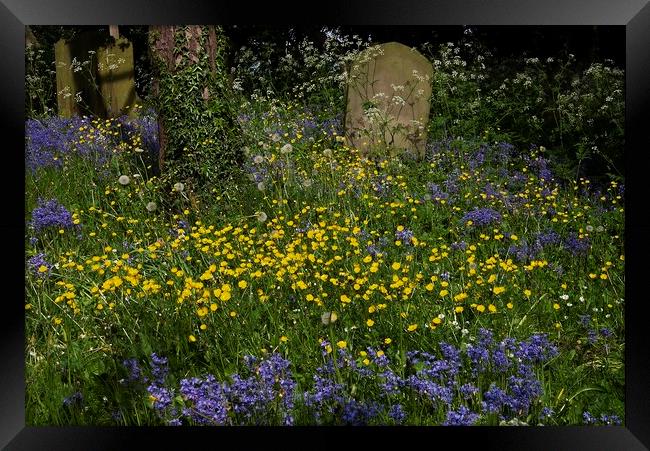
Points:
[170,57]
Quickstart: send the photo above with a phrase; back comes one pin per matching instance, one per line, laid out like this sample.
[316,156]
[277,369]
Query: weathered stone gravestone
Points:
[94,77]
[116,76]
[388,100]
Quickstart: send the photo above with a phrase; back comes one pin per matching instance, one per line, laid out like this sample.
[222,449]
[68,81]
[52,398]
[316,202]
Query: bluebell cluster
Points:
[478,158]
[577,246]
[50,214]
[35,262]
[404,236]
[145,126]
[206,401]
[525,251]
[603,420]
[482,216]
[381,185]
[539,166]
[49,140]
[491,192]
[446,383]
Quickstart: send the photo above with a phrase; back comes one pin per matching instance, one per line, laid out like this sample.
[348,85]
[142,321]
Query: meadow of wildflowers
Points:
[472,287]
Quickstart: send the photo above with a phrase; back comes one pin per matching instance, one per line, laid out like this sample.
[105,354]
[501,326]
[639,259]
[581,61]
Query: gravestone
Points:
[116,77]
[94,76]
[67,85]
[388,100]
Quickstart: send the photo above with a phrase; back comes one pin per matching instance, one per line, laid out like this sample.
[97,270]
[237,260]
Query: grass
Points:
[205,281]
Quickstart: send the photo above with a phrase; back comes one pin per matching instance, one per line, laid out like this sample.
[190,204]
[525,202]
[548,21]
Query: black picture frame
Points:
[634,15]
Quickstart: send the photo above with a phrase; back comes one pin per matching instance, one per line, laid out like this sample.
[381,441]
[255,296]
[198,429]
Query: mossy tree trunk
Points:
[190,90]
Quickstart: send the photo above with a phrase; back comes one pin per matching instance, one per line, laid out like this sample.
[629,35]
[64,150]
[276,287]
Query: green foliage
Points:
[321,201]
[40,81]
[313,73]
[577,114]
[195,108]
[314,230]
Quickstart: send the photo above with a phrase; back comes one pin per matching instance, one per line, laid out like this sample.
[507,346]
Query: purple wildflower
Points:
[250,361]
[392,383]
[373,250]
[404,236]
[46,141]
[588,418]
[35,264]
[452,356]
[468,390]
[159,368]
[605,332]
[161,397]
[396,412]
[432,390]
[478,158]
[379,360]
[577,246]
[357,413]
[547,238]
[436,192]
[546,412]
[491,192]
[610,420]
[479,356]
[324,394]
[381,185]
[462,417]
[592,336]
[462,245]
[536,349]
[50,213]
[500,359]
[135,372]
[482,216]
[208,403]
[523,391]
[75,399]
[494,399]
